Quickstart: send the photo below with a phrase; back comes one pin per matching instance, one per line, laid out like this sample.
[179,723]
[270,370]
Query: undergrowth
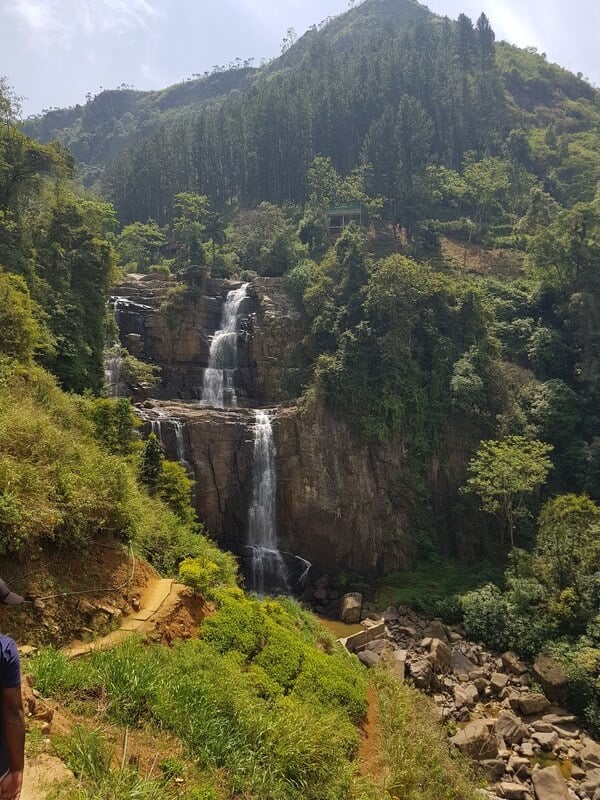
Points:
[415,752]
[264,695]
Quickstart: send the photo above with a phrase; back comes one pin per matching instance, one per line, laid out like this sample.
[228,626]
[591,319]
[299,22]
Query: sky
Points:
[54,52]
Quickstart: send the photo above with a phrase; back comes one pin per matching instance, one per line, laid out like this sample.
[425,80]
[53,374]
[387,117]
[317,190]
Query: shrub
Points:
[200,576]
[414,747]
[486,614]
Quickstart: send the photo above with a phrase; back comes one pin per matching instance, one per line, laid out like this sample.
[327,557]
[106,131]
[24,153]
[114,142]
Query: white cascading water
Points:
[157,430]
[218,390]
[178,425]
[268,569]
[113,358]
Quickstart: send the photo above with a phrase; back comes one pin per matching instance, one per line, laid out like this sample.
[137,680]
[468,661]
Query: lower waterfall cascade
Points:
[269,573]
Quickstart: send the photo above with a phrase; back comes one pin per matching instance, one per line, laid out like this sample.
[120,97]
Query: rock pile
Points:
[493,709]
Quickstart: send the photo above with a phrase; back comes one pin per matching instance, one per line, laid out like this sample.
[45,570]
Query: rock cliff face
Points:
[341,504]
[334,495]
[171,324]
[333,502]
[277,332]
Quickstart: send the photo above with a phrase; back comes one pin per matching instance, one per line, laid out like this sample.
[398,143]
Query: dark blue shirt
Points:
[10,678]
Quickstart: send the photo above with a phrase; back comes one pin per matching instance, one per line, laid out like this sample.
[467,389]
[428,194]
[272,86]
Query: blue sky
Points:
[55,51]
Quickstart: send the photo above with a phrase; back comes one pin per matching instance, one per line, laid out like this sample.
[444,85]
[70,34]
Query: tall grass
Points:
[415,749]
[254,698]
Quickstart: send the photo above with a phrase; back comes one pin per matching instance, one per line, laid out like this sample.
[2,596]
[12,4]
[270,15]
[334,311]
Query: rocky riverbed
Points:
[507,717]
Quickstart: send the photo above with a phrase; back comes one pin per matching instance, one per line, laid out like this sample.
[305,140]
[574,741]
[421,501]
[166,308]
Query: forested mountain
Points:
[387,79]
[97,131]
[438,358]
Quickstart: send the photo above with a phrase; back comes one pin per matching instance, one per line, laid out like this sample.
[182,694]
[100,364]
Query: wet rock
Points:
[351,608]
[510,728]
[549,784]
[476,741]
[534,703]
[551,676]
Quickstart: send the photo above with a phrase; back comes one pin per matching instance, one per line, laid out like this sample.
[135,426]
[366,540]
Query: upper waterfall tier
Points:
[199,324]
[219,389]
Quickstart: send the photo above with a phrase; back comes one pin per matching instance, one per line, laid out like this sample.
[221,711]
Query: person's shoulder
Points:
[8,646]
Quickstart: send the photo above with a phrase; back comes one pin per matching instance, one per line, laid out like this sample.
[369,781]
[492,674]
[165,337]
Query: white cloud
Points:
[73,19]
[513,25]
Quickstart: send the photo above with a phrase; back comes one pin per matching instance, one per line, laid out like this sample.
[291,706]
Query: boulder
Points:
[590,754]
[591,782]
[498,682]
[436,630]
[513,664]
[510,728]
[461,666]
[551,676]
[533,703]
[476,741]
[368,658]
[421,672]
[351,608]
[549,784]
[391,614]
[521,767]
[546,740]
[514,791]
[396,663]
[494,769]
[441,655]
[465,696]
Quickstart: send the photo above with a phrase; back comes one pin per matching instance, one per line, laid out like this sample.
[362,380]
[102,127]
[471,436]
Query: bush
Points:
[415,748]
[200,576]
[486,614]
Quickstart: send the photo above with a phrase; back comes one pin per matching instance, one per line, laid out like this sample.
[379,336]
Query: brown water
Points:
[550,760]
[339,629]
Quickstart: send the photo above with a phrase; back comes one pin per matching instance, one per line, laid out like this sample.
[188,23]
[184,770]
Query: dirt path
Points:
[43,774]
[369,753]
[160,596]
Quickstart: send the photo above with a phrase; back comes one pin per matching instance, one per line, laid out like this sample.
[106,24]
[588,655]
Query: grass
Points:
[434,588]
[415,750]
[264,697]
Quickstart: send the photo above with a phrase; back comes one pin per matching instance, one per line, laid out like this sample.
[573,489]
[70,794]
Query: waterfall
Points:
[113,357]
[157,430]
[178,425]
[219,390]
[269,573]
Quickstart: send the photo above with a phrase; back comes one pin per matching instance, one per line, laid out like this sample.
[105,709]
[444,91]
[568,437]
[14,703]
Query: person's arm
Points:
[14,732]
[13,720]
